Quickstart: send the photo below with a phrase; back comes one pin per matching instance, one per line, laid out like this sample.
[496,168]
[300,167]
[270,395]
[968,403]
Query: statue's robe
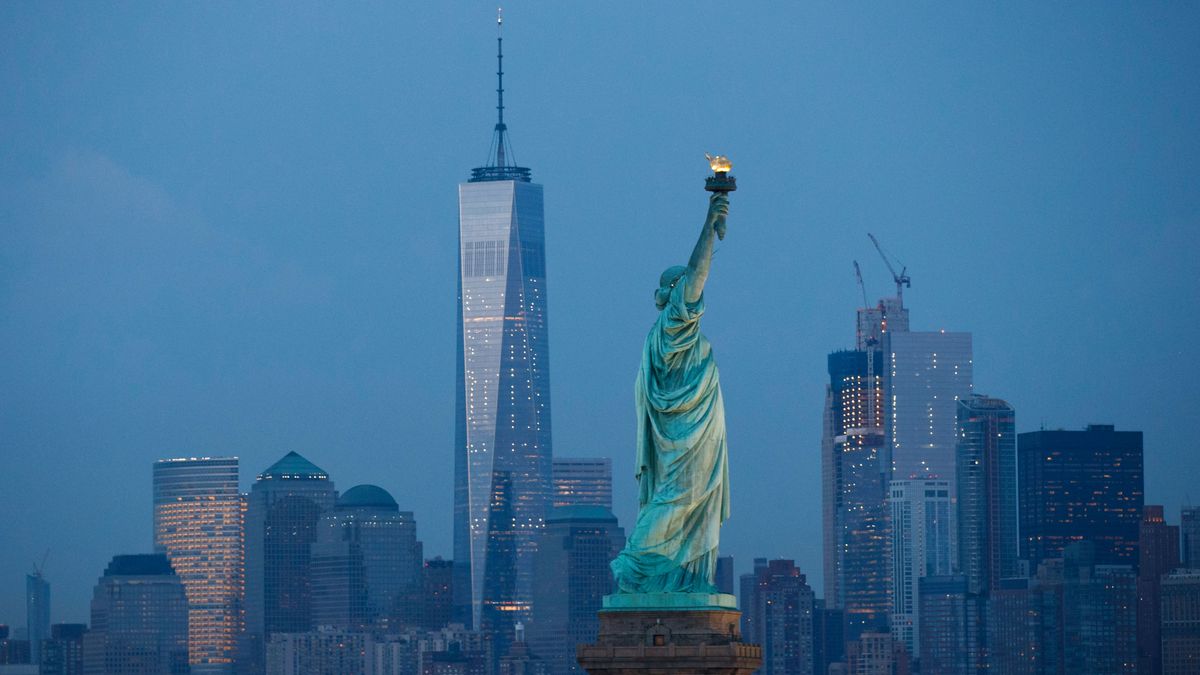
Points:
[682,459]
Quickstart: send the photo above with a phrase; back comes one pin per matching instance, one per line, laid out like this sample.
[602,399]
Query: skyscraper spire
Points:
[501,164]
[500,128]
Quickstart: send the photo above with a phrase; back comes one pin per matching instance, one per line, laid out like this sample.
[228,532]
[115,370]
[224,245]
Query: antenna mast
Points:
[500,128]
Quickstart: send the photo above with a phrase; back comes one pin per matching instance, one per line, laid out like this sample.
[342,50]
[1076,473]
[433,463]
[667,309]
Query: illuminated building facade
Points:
[366,564]
[282,518]
[198,525]
[1080,486]
[139,619]
[582,481]
[921,545]
[857,522]
[502,472]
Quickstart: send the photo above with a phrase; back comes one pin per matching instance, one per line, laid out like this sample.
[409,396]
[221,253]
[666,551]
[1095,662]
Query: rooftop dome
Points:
[367,496]
[293,466]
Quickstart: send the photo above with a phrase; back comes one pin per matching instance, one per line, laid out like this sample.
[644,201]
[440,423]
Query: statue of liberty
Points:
[682,457]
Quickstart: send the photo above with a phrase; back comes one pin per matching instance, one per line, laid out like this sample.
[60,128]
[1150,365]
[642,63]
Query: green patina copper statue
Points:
[682,457]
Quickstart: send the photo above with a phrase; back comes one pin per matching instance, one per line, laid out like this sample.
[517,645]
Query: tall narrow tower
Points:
[502,463]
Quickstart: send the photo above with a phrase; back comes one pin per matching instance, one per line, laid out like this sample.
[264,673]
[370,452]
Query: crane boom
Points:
[861,287]
[902,280]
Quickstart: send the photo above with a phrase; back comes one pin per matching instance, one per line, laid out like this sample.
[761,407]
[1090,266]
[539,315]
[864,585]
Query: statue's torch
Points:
[720,182]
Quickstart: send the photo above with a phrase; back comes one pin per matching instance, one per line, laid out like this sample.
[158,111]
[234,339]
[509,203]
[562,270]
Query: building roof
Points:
[367,496]
[561,514]
[293,466]
[140,564]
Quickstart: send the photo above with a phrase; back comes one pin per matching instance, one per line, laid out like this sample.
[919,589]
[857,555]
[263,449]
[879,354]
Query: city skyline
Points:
[138,341]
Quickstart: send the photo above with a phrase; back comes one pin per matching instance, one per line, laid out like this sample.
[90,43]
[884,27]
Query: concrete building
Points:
[1180,592]
[922,541]
[781,604]
[139,619]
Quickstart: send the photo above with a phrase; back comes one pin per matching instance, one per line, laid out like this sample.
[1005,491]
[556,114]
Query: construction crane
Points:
[902,280]
[870,343]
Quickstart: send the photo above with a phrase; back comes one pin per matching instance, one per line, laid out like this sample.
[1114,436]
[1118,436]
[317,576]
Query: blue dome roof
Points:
[367,495]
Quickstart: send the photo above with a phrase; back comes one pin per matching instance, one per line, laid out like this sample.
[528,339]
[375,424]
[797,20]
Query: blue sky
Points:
[231,230]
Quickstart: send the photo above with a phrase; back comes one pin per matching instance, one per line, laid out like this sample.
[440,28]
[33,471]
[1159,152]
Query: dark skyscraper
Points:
[139,619]
[987,492]
[724,576]
[1158,555]
[62,654]
[37,613]
[1080,485]
[502,467]
[282,516]
[366,563]
[951,630]
[1189,529]
[198,514]
[573,576]
[781,602]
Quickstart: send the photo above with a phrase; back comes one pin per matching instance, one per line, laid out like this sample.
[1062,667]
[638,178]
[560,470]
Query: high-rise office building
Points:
[951,626]
[1181,622]
[366,564]
[746,585]
[921,544]
[282,517]
[37,613]
[582,481]
[855,472]
[1020,626]
[1080,485]
[1189,529]
[1158,555]
[573,576]
[1099,613]
[62,653]
[198,525]
[829,644]
[502,468]
[139,619]
[987,492]
[927,373]
[781,602]
[437,606]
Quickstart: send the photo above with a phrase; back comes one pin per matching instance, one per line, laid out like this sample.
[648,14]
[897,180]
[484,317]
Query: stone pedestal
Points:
[669,634]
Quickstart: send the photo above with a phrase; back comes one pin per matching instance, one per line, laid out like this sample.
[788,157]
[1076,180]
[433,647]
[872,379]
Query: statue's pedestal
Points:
[669,633]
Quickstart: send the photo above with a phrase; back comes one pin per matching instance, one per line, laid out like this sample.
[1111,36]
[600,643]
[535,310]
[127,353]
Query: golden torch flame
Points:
[719,164]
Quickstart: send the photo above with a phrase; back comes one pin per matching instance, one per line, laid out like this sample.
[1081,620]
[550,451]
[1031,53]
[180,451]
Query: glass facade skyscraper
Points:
[282,517]
[502,473]
[198,525]
[582,481]
[1080,486]
[855,475]
[987,492]
[927,374]
[366,564]
[37,613]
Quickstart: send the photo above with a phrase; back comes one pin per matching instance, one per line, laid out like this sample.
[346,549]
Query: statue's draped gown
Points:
[682,458]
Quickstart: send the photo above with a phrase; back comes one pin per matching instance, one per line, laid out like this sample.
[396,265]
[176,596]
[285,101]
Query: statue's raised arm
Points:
[697,268]
[682,472]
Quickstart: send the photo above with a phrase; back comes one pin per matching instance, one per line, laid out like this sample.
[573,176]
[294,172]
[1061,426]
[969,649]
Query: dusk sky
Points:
[230,229]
